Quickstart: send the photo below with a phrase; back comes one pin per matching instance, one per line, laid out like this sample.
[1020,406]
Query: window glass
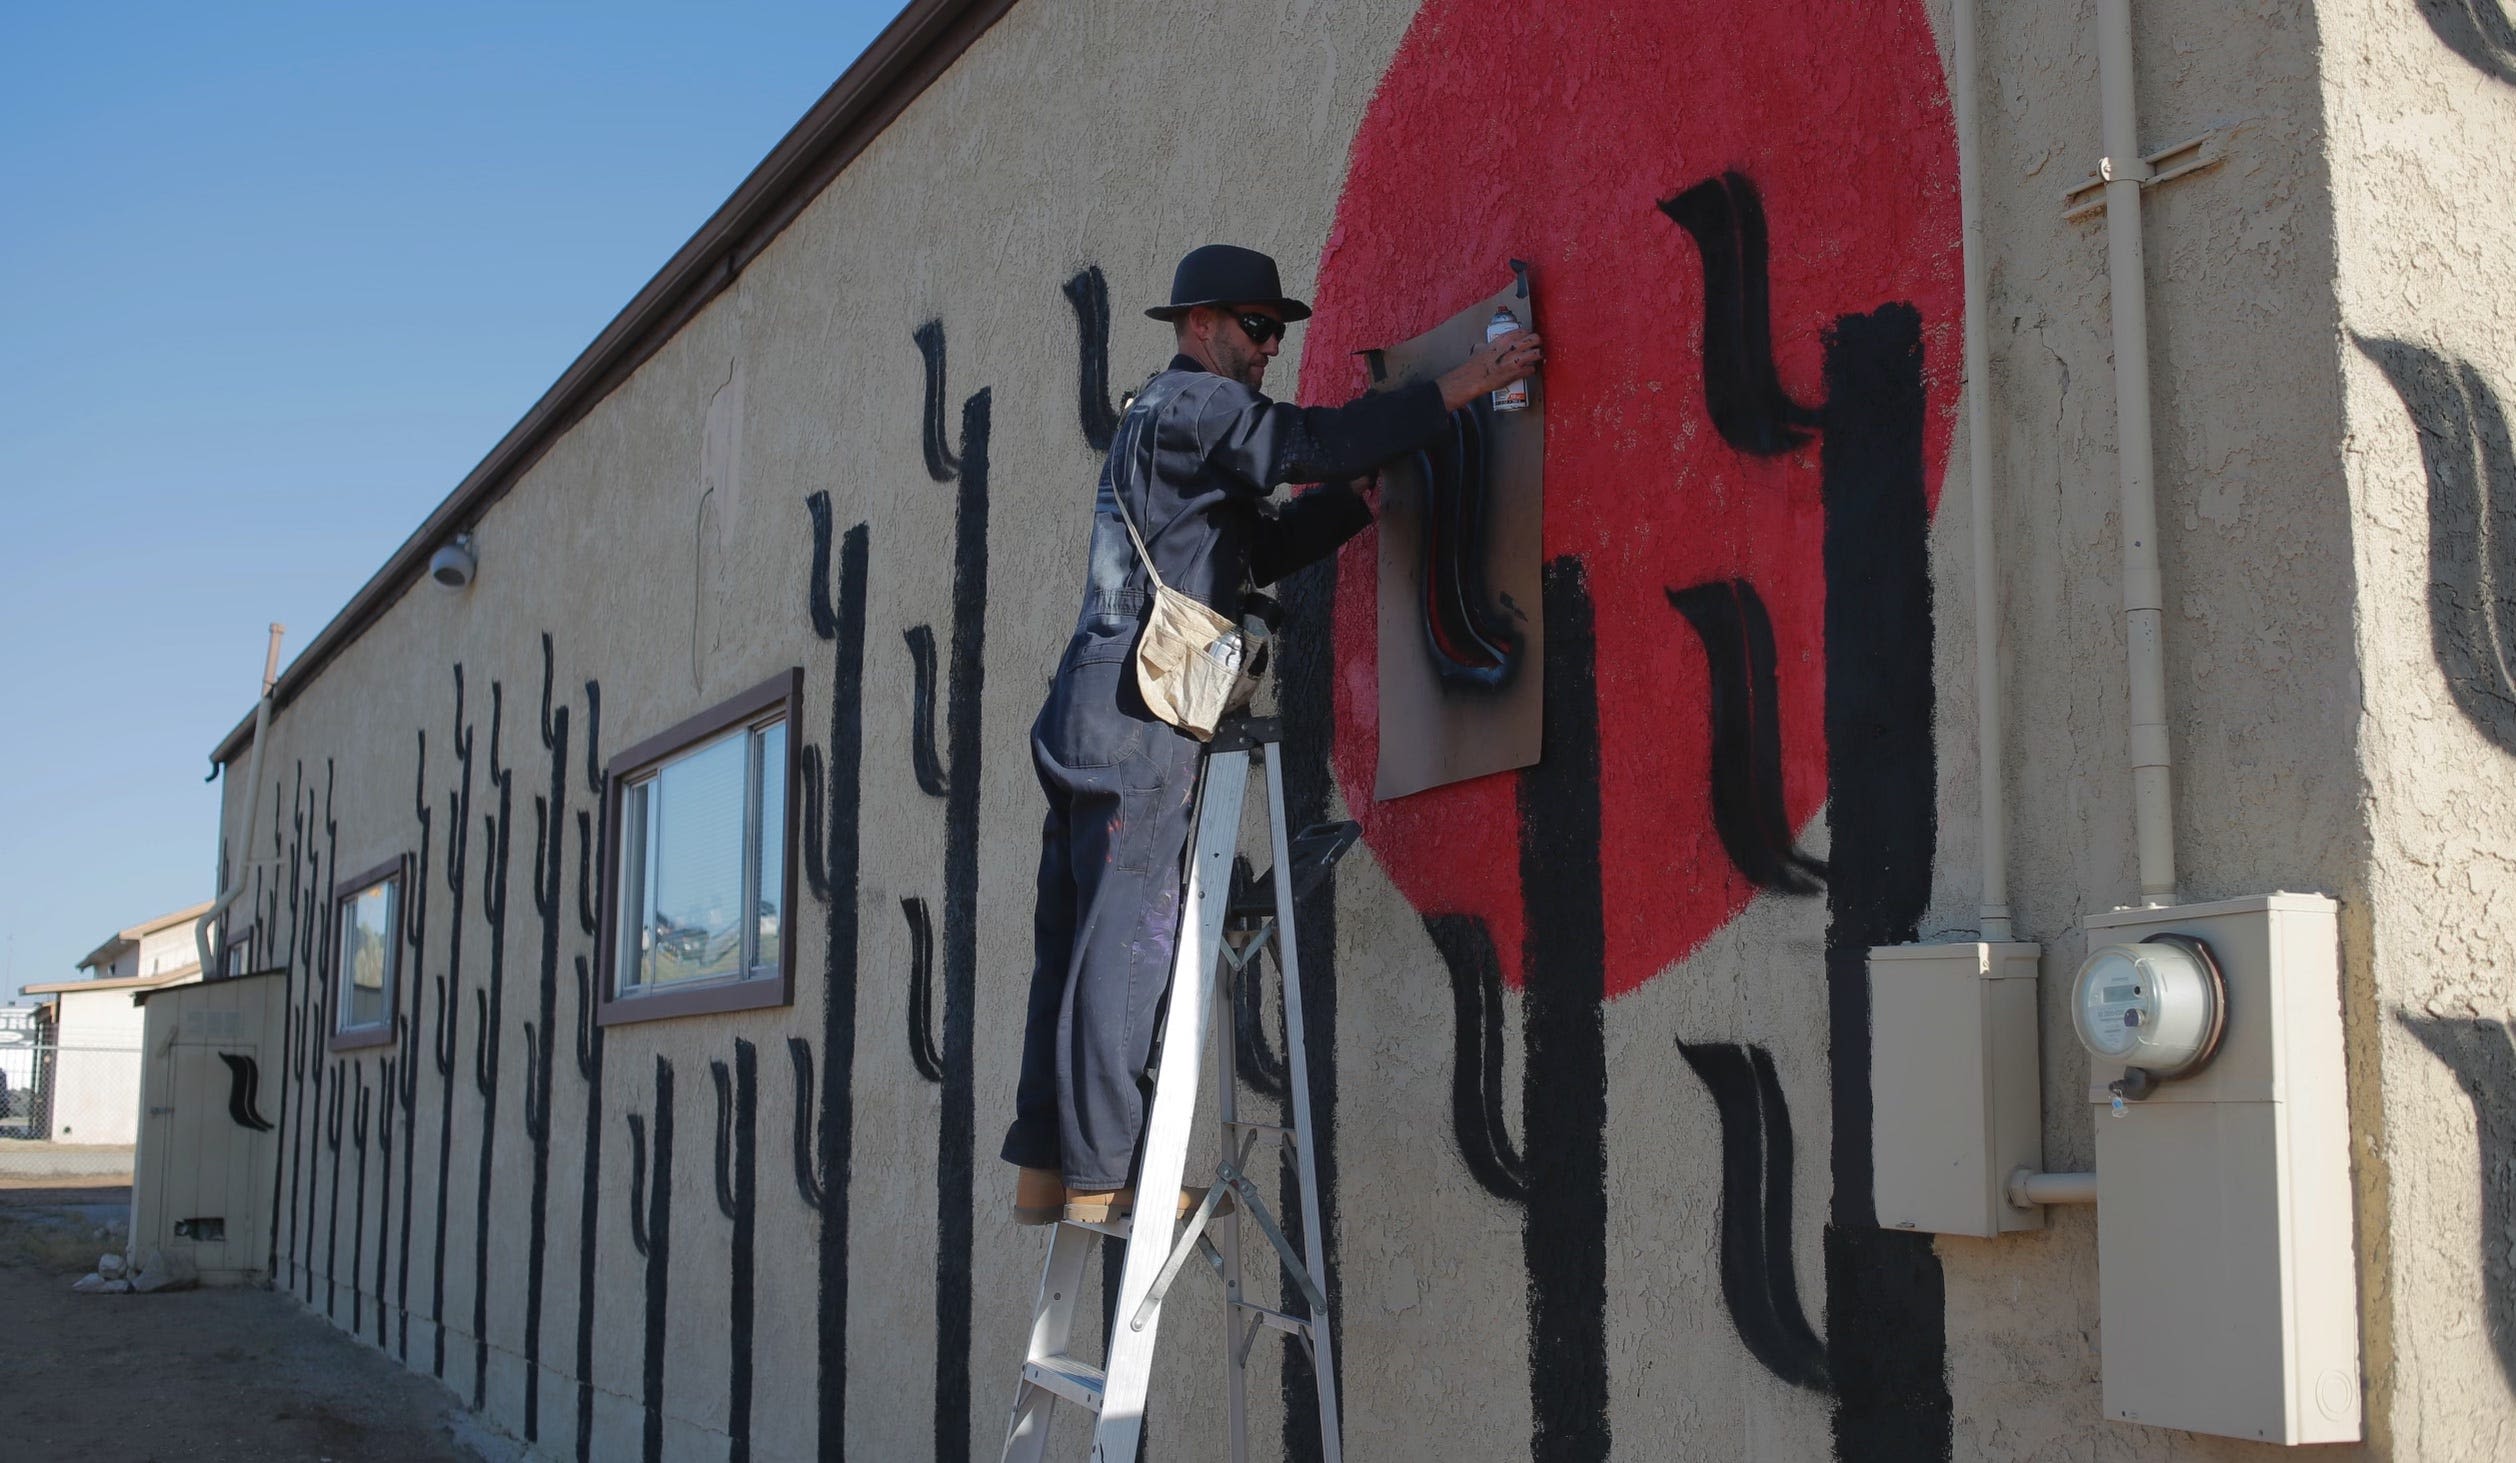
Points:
[703,864]
[770,839]
[368,919]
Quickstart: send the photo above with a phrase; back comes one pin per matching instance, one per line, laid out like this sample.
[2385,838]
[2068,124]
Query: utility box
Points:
[211,1080]
[2225,1264]
[1953,1085]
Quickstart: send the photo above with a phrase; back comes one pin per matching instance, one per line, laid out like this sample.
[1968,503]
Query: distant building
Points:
[88,1065]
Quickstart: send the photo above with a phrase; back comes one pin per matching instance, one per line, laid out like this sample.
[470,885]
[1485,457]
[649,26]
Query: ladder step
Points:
[1076,1381]
[1271,1132]
[1289,1324]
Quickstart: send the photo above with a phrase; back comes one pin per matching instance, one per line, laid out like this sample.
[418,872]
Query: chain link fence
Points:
[69,1094]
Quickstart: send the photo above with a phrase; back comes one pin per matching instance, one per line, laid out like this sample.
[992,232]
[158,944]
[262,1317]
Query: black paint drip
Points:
[1742,392]
[406,1093]
[1747,804]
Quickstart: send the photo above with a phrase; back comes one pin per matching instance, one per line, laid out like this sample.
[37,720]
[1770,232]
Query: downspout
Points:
[2123,171]
[253,806]
[1992,798]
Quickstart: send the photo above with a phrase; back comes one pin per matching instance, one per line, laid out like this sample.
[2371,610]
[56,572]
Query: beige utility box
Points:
[2225,1266]
[210,1087]
[1953,1085]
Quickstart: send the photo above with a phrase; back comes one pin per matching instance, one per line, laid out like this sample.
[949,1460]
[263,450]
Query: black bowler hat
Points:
[1227,274]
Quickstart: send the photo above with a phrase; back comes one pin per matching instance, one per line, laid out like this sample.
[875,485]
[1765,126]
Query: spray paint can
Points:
[1514,397]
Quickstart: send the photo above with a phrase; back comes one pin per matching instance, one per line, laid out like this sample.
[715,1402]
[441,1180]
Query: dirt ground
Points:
[217,1376]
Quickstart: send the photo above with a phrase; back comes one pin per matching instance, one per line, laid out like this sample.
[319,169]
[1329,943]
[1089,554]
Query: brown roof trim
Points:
[915,49]
[119,983]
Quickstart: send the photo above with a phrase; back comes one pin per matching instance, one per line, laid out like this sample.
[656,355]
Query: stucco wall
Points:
[2421,98]
[1599,1280]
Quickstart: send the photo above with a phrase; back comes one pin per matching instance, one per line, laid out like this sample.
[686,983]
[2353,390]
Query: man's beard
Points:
[1245,366]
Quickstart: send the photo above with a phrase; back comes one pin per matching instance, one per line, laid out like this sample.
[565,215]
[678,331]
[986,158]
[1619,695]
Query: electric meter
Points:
[2158,1007]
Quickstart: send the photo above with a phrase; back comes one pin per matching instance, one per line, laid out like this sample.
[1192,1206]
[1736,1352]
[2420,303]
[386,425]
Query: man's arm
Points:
[1305,530]
[1261,443]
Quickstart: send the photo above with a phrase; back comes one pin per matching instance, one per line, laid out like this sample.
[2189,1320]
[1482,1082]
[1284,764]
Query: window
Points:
[367,924]
[699,884]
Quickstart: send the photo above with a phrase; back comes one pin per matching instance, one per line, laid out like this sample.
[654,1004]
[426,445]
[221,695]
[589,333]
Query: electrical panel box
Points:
[1953,1088]
[2226,1270]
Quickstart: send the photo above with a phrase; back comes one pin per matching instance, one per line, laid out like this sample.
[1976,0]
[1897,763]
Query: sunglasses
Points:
[1259,328]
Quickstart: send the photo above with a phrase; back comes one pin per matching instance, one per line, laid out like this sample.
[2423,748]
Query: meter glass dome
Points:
[2153,1005]
[2114,1000]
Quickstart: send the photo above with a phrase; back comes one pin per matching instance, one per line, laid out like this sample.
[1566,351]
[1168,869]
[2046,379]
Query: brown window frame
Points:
[783,692]
[382,1033]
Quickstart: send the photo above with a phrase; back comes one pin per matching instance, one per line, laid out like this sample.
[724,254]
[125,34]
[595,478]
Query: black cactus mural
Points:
[489,1006]
[1747,809]
[332,1224]
[833,782]
[651,1231]
[1088,292]
[1759,1283]
[386,1105]
[244,1085]
[964,676]
[923,1053]
[1742,392]
[358,1203]
[737,1198]
[550,837]
[589,1055]
[447,1047]
[405,1094]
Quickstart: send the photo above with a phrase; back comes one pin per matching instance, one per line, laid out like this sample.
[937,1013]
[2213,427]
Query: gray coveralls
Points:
[1120,782]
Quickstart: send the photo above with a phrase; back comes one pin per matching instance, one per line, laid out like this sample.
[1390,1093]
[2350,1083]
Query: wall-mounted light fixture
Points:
[455,562]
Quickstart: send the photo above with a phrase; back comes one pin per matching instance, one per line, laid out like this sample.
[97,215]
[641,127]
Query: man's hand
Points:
[1491,367]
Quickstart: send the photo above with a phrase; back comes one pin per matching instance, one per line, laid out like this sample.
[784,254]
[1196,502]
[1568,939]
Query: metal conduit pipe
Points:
[253,807]
[2028,1188]
[2144,600]
[1991,794]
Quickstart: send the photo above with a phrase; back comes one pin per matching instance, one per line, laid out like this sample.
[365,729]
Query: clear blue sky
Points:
[277,277]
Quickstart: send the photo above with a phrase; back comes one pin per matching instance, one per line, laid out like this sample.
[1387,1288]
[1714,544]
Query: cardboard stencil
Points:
[1461,634]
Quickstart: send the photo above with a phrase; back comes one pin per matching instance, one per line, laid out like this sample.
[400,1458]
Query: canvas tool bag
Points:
[1192,662]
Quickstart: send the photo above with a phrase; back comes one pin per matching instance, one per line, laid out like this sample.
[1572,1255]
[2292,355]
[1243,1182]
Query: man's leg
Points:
[1127,845]
[1032,1141]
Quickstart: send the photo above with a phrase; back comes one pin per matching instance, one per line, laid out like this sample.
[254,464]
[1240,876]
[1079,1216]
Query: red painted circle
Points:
[1550,132]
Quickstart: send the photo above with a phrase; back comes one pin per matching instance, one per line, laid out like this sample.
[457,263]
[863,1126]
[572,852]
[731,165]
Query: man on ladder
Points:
[1183,494]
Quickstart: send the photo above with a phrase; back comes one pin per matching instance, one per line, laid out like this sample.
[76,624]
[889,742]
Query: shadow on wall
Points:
[2482,1055]
[2477,30]
[2471,468]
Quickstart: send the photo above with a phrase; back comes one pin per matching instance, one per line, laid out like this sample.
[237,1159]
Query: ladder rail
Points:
[1206,961]
[1163,1148]
[1297,1082]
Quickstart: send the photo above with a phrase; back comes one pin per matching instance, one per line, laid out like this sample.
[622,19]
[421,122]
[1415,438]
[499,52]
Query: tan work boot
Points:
[1038,1195]
[1085,1206]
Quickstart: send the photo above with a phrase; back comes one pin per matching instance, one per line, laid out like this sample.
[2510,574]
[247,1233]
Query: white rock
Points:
[162,1271]
[99,1285]
[111,1266]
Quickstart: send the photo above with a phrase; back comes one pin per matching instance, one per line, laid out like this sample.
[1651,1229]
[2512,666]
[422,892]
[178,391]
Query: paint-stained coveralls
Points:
[1120,782]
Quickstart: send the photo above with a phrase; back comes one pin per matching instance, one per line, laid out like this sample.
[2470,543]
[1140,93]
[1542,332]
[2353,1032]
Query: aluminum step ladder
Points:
[1223,930]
